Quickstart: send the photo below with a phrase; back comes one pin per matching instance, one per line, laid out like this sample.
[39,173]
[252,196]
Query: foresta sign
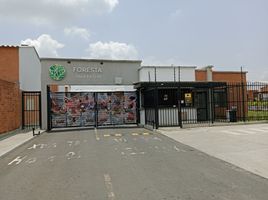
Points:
[88,72]
[87,69]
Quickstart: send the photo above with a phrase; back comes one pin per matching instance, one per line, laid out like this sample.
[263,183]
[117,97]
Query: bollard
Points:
[33,131]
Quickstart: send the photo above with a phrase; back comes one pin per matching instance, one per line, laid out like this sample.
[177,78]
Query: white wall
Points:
[166,74]
[101,88]
[29,69]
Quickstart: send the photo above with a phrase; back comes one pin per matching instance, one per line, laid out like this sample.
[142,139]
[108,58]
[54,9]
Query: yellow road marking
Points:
[106,135]
[146,134]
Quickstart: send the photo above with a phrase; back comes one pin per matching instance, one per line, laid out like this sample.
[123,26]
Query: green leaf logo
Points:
[57,72]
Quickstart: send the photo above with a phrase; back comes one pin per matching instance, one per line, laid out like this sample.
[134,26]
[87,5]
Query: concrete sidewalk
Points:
[10,143]
[245,146]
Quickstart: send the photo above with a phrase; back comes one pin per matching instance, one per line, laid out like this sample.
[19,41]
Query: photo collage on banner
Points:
[58,110]
[110,108]
[130,106]
[72,109]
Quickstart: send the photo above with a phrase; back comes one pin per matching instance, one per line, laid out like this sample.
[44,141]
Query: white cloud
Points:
[76,31]
[112,50]
[52,11]
[45,45]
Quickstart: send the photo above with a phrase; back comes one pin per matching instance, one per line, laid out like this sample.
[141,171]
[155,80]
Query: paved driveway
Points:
[245,146]
[120,164]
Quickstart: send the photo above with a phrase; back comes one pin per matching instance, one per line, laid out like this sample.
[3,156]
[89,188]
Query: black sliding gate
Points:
[31,110]
[91,109]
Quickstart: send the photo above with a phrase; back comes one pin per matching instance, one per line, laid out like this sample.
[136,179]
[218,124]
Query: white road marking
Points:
[156,147]
[77,142]
[31,160]
[106,135]
[133,153]
[258,130]
[134,134]
[128,148]
[42,146]
[33,147]
[118,135]
[70,143]
[109,186]
[245,131]
[122,153]
[17,160]
[142,152]
[124,139]
[231,132]
[51,158]
[70,155]
[179,150]
[115,139]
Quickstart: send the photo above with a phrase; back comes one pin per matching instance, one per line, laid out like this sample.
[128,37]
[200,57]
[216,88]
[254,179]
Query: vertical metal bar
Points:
[22,110]
[138,106]
[174,69]
[243,94]
[96,109]
[48,109]
[179,105]
[156,106]
[155,74]
[40,110]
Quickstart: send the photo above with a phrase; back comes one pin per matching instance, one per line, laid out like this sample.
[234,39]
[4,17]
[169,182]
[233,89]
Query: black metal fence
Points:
[206,104]
[31,110]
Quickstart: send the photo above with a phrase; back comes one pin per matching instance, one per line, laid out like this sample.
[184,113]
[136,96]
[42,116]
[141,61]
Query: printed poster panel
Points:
[87,109]
[130,115]
[72,101]
[104,107]
[58,110]
[117,108]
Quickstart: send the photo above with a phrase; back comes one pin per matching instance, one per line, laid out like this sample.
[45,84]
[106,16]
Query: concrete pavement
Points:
[245,146]
[120,164]
[10,143]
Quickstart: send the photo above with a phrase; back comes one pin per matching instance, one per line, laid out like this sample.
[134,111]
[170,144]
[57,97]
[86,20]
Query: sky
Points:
[228,34]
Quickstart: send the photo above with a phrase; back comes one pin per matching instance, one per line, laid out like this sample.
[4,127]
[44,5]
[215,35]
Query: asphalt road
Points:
[120,164]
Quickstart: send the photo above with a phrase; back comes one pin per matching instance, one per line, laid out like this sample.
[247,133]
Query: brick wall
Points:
[221,76]
[9,64]
[10,106]
[200,75]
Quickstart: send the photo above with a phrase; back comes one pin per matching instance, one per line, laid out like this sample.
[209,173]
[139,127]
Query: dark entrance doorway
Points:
[31,110]
[201,102]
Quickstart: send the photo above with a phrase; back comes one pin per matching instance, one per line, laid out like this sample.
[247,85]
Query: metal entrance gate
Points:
[204,103]
[31,110]
[91,109]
